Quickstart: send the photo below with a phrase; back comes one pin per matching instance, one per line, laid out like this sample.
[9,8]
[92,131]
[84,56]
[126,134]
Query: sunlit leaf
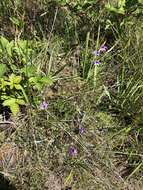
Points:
[15,109]
[17,86]
[20,102]
[47,80]
[3,42]
[9,48]
[9,102]
[3,69]
[140,1]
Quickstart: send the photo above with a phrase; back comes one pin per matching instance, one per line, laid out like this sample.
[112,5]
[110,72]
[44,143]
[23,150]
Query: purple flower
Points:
[43,105]
[72,151]
[103,48]
[96,62]
[96,53]
[81,130]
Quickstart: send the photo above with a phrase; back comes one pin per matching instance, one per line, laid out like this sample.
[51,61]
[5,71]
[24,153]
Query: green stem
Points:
[24,94]
[95,75]
[95,68]
[86,54]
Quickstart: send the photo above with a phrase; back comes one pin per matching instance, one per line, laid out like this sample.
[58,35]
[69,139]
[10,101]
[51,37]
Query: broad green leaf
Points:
[3,42]
[23,44]
[9,48]
[4,97]
[110,7]
[13,105]
[121,3]
[46,80]
[29,70]
[120,9]
[38,86]
[3,84]
[24,60]
[17,86]
[20,102]
[9,102]
[18,51]
[140,1]
[15,109]
[15,79]
[33,79]
[3,69]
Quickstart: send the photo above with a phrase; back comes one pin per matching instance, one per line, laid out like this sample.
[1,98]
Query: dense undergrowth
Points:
[71,94]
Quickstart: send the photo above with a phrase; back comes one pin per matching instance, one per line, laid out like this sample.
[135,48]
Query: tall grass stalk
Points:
[96,67]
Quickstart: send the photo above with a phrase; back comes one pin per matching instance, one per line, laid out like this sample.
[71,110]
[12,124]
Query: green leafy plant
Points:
[14,104]
[18,76]
[121,13]
[13,93]
[125,6]
[3,69]
[118,8]
[15,53]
